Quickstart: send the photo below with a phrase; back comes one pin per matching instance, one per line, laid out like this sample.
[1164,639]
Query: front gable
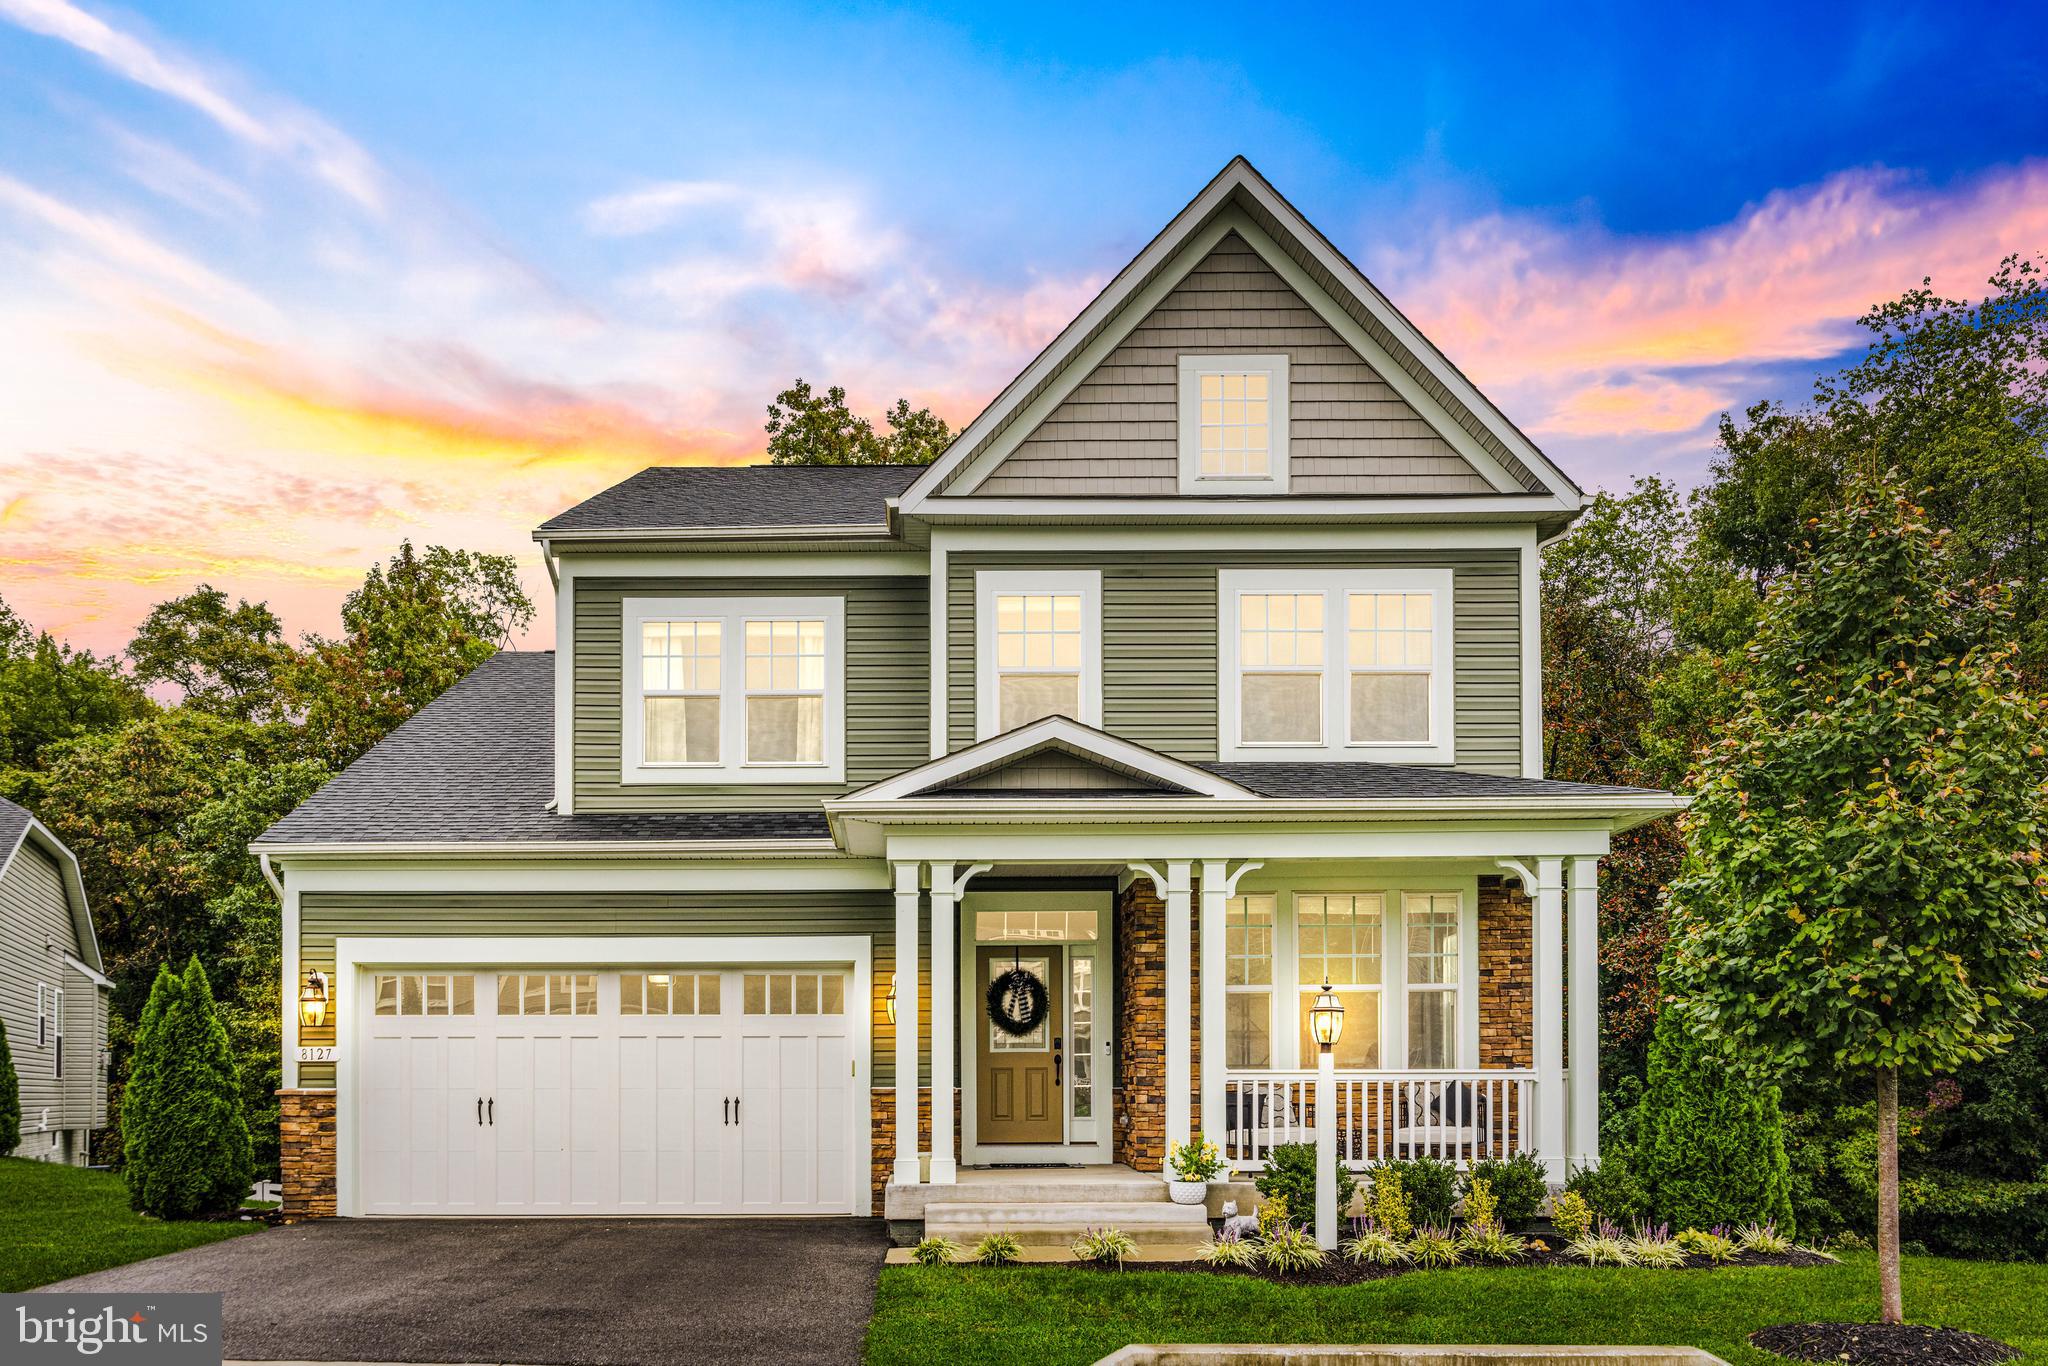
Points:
[1378,413]
[1117,432]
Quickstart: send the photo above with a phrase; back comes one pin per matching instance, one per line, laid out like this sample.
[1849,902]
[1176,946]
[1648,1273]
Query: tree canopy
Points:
[805,428]
[223,660]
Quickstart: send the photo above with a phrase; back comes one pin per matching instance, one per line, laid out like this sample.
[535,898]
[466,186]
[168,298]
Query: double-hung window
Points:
[1336,664]
[748,690]
[1038,647]
[1233,425]
[42,1015]
[1337,940]
[57,1025]
[1432,930]
[1248,981]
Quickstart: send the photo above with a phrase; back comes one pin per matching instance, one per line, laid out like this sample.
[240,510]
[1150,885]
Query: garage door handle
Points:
[728,1110]
[479,1112]
[492,1110]
[735,1109]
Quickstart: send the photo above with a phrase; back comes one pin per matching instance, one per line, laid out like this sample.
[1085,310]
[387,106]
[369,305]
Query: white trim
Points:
[989,584]
[1198,219]
[82,970]
[285,853]
[79,909]
[732,767]
[1051,730]
[614,875]
[1531,679]
[1335,587]
[1208,511]
[830,531]
[1193,368]
[767,562]
[1444,535]
[940,629]
[565,691]
[353,954]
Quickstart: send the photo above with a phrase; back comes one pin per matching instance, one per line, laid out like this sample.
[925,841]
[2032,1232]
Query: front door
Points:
[1020,1087]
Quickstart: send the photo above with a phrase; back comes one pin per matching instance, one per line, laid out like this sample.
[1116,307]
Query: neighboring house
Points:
[1202,668]
[53,994]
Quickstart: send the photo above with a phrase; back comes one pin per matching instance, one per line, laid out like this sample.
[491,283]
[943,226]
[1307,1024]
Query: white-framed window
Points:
[669,993]
[547,993]
[1434,933]
[1038,647]
[1337,940]
[1336,665]
[748,690]
[57,1025]
[1233,424]
[793,993]
[423,993]
[1248,980]
[42,1015]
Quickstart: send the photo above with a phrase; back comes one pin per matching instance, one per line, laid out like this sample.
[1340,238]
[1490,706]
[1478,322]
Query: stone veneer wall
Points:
[306,1148]
[1139,1102]
[1507,989]
[882,1114]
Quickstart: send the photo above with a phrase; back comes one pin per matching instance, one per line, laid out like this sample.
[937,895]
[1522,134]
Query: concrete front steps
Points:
[1058,1225]
[1049,1207]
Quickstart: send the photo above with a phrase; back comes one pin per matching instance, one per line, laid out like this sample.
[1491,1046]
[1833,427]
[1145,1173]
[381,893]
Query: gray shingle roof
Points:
[708,497]
[1401,780]
[476,765]
[13,820]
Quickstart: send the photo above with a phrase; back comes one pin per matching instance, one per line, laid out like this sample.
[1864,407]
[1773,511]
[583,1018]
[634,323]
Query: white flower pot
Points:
[1188,1192]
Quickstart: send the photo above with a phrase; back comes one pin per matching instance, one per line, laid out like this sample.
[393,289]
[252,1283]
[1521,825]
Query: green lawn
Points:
[966,1315]
[57,1222]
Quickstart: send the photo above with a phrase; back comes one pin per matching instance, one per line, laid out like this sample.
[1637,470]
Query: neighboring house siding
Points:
[1117,433]
[36,931]
[1159,648]
[888,727]
[324,916]
[85,1036]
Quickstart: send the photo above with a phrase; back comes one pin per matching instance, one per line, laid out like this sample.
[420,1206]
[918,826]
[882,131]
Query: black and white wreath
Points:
[1017,1002]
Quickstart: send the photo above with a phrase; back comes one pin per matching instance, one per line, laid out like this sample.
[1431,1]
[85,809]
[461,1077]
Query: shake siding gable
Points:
[888,726]
[1159,645]
[34,912]
[1117,434]
[324,916]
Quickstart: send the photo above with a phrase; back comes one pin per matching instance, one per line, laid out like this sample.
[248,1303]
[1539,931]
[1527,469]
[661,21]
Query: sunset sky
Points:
[281,284]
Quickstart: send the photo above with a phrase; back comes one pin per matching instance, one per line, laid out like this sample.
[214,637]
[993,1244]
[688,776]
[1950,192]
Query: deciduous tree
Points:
[806,428]
[223,660]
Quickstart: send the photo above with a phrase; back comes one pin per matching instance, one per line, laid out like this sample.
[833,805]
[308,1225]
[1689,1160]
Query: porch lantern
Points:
[313,999]
[1326,1019]
[892,998]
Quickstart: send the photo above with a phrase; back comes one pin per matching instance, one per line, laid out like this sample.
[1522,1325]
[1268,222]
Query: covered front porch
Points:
[1172,923]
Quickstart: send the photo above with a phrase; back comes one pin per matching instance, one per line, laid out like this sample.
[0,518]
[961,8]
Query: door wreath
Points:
[1017,1001]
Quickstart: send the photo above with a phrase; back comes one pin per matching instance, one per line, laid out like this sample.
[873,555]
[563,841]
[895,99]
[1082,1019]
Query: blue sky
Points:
[379,270]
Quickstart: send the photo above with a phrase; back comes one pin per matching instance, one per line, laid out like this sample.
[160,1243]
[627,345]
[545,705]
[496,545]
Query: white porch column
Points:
[1214,894]
[1179,1032]
[1584,950]
[945,900]
[1547,967]
[905,1171]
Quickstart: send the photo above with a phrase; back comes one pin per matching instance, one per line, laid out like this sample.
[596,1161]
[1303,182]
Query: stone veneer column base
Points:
[882,1115]
[306,1151]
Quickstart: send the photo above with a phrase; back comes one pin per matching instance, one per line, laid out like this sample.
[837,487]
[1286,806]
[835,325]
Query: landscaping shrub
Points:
[1288,1248]
[1390,1211]
[1710,1144]
[1376,1247]
[1108,1245]
[1611,1190]
[185,1139]
[1434,1247]
[1518,1184]
[998,1249]
[1230,1248]
[935,1252]
[2003,1221]
[10,1098]
[1603,1246]
[1714,1244]
[1290,1175]
[1431,1186]
[1571,1216]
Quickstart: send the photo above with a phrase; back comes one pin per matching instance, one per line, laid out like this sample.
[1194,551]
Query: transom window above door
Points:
[1336,664]
[746,690]
[1233,425]
[423,993]
[1038,647]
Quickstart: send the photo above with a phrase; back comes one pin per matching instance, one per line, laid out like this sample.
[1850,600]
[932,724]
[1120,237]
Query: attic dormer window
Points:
[1233,425]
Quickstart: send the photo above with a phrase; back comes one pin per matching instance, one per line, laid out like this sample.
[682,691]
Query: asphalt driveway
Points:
[580,1292]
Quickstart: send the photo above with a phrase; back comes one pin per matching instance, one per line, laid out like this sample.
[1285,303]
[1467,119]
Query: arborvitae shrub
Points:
[10,1098]
[187,1142]
[1711,1144]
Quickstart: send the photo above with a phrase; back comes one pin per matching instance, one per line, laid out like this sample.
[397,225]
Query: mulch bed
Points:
[1881,1344]
[1335,1270]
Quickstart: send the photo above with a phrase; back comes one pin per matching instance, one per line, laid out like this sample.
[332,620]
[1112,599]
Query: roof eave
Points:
[286,852]
[878,531]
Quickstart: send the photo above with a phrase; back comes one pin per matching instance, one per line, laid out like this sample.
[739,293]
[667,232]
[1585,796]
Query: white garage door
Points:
[550,1091]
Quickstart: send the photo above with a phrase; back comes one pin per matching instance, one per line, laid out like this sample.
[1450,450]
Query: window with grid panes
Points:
[679,678]
[1248,981]
[1038,657]
[1280,668]
[785,692]
[1337,940]
[1392,648]
[1432,931]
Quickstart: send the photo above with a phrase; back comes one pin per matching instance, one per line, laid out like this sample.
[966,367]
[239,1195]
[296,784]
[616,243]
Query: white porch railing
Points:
[1459,1117]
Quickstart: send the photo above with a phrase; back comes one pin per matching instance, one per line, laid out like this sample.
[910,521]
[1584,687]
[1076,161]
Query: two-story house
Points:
[1051,781]
[53,992]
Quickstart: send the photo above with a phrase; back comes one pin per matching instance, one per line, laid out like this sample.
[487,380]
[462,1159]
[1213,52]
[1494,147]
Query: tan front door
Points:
[1019,1087]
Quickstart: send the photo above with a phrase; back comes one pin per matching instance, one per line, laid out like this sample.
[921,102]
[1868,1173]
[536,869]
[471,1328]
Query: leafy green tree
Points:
[10,1097]
[186,1140]
[224,660]
[15,634]
[1862,887]
[1710,1145]
[805,428]
[50,693]
[415,627]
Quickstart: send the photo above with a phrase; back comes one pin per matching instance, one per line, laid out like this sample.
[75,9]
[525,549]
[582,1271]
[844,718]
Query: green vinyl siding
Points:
[888,681]
[1159,648]
[325,916]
